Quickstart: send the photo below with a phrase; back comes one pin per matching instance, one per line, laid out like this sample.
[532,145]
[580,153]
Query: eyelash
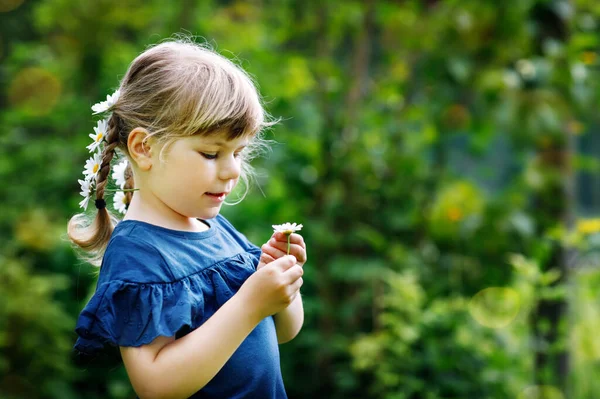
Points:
[214,156]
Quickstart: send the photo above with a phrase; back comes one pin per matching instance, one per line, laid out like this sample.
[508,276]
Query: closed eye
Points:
[208,156]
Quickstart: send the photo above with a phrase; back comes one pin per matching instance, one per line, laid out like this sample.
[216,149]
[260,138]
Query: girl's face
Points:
[196,175]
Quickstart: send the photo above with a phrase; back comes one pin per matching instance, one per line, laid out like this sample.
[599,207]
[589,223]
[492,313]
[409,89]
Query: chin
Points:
[209,214]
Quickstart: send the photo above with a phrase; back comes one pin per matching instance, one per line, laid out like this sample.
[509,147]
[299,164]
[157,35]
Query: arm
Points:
[176,369]
[169,368]
[289,321]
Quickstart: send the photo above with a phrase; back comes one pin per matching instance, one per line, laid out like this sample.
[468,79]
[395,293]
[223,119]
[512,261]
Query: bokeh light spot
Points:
[309,174]
[9,5]
[589,57]
[541,392]
[35,230]
[35,91]
[495,307]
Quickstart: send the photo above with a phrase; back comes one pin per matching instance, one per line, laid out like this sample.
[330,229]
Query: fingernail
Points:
[292,258]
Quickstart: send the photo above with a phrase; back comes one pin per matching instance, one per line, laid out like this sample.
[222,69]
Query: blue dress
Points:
[156,281]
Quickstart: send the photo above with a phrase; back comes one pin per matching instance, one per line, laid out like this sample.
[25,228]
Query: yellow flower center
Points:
[95,169]
[124,200]
[99,137]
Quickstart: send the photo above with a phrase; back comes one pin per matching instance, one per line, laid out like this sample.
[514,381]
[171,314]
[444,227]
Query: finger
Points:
[294,273]
[297,239]
[294,238]
[275,253]
[294,296]
[266,258]
[284,263]
[283,246]
[295,286]
[296,250]
[299,253]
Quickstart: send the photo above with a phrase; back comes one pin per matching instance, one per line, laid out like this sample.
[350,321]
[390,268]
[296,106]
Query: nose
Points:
[230,168]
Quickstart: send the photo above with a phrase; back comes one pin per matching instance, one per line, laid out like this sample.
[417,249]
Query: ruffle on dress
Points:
[122,313]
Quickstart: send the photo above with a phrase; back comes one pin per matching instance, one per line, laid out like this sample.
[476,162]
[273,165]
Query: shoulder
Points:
[222,222]
[234,235]
[130,257]
[227,228]
[225,225]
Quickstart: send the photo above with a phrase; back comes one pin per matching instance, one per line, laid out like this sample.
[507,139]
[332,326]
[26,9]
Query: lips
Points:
[217,197]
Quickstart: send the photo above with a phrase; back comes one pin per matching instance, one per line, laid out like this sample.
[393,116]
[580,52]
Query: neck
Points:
[144,211]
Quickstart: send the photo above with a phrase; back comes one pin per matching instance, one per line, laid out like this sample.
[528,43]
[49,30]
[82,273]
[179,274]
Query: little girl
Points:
[195,308]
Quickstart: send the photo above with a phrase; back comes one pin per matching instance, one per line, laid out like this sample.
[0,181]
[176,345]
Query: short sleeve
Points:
[136,298]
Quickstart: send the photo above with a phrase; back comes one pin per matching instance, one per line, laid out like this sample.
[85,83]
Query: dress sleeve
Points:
[123,313]
[136,300]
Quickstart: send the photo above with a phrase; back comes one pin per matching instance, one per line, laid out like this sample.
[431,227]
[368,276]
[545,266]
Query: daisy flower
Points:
[105,105]
[120,202]
[92,166]
[119,173]
[287,228]
[100,130]
[86,192]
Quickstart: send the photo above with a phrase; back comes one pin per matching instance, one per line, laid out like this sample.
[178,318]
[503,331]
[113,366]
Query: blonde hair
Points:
[174,89]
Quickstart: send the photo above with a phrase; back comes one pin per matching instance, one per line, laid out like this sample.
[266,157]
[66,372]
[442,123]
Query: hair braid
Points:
[112,141]
[94,237]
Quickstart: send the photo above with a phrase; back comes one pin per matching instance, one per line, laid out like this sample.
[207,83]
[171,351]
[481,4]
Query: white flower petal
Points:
[101,128]
[86,187]
[84,203]
[112,100]
[86,192]
[120,202]
[92,166]
[100,107]
[92,147]
[287,228]
[119,173]
[106,105]
[100,136]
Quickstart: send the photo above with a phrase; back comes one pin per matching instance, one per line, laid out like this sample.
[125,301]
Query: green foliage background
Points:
[441,154]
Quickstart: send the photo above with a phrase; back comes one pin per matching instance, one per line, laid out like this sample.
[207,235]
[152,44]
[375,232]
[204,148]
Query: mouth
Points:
[218,196]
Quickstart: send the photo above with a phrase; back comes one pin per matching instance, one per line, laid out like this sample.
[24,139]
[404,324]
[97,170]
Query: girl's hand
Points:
[272,288]
[277,246]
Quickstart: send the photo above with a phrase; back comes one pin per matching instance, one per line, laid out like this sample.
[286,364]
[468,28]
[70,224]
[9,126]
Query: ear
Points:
[140,148]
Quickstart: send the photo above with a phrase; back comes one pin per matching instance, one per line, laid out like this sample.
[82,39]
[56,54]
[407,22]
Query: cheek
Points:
[235,183]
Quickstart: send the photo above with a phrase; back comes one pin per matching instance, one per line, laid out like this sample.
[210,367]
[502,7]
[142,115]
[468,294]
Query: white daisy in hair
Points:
[92,166]
[287,228]
[100,129]
[120,202]
[119,173]
[106,105]
[86,192]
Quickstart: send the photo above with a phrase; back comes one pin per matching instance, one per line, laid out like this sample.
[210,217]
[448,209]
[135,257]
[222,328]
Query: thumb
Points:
[283,263]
